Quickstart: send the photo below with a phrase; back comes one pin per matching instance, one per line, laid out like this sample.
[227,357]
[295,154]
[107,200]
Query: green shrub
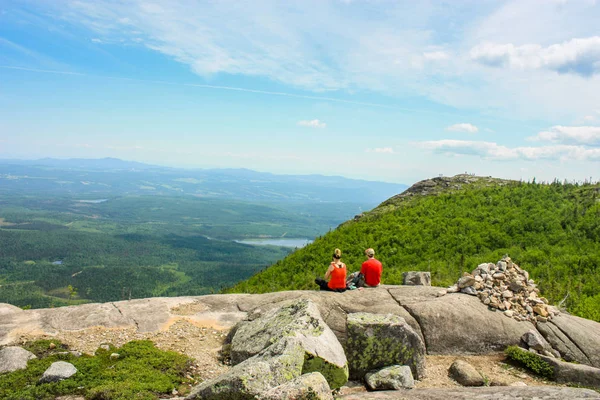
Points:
[141,372]
[530,361]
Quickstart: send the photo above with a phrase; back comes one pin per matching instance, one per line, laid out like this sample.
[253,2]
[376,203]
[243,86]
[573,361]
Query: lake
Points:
[93,201]
[277,242]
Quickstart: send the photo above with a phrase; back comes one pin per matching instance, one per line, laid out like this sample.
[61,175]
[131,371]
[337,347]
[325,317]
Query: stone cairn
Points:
[506,287]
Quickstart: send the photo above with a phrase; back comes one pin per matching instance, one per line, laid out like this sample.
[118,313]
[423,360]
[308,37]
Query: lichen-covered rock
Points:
[465,374]
[13,358]
[299,319]
[416,278]
[376,341]
[278,364]
[311,386]
[395,377]
[58,371]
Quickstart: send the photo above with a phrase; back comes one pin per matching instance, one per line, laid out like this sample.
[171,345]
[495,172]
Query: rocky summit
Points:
[306,343]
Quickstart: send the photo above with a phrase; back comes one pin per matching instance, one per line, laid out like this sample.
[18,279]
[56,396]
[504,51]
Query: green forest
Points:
[551,230]
[60,250]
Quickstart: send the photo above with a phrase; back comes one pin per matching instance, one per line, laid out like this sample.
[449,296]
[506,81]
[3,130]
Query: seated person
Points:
[371,269]
[335,277]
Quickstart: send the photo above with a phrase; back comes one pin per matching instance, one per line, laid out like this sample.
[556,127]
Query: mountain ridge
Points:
[451,225]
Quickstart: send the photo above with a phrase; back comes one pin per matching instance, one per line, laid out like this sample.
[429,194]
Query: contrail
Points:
[216,87]
[258,91]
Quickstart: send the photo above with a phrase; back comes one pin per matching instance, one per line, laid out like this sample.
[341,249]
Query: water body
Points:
[277,242]
[93,201]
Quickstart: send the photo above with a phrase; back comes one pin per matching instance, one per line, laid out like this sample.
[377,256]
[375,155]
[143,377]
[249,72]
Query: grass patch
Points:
[531,361]
[141,372]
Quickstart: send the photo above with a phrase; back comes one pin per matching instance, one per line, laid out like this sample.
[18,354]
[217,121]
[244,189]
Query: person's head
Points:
[337,254]
[370,252]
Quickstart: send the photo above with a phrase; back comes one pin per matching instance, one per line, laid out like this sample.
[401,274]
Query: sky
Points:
[394,91]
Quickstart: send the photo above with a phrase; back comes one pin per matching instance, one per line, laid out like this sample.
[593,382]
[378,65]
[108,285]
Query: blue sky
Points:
[381,90]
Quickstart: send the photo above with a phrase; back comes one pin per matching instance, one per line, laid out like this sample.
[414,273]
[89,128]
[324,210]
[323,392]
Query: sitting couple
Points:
[335,277]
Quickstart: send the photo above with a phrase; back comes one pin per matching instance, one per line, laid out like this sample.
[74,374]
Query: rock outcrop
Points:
[571,373]
[452,323]
[480,393]
[461,324]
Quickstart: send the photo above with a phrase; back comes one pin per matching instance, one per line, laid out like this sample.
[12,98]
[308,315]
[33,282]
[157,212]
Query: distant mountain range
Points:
[112,176]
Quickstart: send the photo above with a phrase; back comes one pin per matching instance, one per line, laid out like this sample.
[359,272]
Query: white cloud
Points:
[579,135]
[381,150]
[313,123]
[96,40]
[494,151]
[463,127]
[589,118]
[396,48]
[579,56]
[436,56]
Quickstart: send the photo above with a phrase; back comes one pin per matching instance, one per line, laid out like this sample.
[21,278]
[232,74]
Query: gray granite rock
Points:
[395,377]
[480,393]
[416,278]
[58,371]
[276,365]
[311,386]
[458,324]
[376,341]
[299,319]
[465,374]
[13,358]
[570,373]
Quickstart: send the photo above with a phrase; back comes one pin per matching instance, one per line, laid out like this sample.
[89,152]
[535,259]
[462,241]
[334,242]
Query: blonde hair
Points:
[337,253]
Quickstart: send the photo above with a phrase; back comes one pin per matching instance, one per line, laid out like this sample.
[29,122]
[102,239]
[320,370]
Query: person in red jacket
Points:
[371,269]
[335,277]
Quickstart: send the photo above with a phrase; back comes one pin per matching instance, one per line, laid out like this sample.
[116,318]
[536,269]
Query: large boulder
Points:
[376,341]
[58,371]
[276,365]
[459,324]
[13,358]
[395,377]
[465,374]
[577,339]
[311,386]
[298,319]
[416,278]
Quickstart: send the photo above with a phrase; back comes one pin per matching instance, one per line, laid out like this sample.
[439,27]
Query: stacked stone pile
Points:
[506,287]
